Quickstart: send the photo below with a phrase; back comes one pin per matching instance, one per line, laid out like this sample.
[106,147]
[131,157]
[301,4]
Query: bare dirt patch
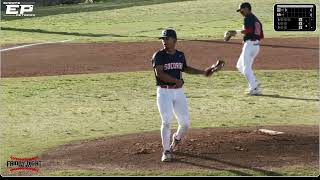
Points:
[211,148]
[80,58]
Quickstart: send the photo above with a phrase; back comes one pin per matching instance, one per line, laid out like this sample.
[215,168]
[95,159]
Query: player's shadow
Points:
[234,165]
[264,45]
[62,33]
[57,32]
[286,97]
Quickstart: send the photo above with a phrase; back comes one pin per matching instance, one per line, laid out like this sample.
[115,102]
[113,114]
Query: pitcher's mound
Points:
[212,148]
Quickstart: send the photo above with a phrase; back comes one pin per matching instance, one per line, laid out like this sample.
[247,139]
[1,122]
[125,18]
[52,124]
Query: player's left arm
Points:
[189,69]
[192,70]
[206,72]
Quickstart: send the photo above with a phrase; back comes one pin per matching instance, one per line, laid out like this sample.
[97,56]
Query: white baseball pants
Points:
[249,51]
[172,101]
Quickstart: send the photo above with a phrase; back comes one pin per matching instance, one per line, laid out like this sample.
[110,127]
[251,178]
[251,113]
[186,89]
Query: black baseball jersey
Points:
[173,64]
[253,28]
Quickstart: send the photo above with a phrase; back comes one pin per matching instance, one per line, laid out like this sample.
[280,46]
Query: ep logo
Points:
[18,9]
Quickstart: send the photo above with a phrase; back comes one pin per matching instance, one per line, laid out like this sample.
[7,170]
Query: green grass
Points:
[82,7]
[287,171]
[139,20]
[38,113]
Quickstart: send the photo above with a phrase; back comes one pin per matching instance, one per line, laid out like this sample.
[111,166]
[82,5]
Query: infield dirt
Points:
[212,148]
[82,58]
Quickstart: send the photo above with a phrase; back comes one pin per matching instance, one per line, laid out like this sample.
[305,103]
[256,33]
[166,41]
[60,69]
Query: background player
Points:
[168,65]
[253,33]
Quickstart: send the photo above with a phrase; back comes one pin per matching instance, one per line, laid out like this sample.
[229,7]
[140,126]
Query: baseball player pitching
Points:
[253,33]
[168,65]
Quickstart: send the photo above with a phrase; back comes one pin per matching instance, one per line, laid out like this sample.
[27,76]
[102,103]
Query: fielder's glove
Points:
[214,68]
[228,34]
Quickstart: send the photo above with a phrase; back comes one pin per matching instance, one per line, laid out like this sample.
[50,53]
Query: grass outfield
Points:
[42,112]
[139,20]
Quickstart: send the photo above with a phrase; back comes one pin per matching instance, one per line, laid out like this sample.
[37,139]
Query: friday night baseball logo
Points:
[19,8]
[23,164]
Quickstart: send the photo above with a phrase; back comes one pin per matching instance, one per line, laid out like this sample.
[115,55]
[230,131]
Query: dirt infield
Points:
[212,148]
[78,58]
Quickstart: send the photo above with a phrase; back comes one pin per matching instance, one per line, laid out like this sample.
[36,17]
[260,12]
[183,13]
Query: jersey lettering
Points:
[170,66]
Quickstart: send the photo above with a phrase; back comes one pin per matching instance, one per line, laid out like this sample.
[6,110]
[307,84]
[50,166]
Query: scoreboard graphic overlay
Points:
[295,17]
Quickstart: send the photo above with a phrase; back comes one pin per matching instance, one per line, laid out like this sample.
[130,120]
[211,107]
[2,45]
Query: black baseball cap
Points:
[168,33]
[244,5]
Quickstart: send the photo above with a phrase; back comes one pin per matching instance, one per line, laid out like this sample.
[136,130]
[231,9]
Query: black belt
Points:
[253,41]
[169,86]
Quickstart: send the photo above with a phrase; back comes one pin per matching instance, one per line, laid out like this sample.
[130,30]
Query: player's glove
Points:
[228,34]
[214,68]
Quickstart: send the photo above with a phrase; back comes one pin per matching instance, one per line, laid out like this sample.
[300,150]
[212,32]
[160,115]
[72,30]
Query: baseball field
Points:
[78,91]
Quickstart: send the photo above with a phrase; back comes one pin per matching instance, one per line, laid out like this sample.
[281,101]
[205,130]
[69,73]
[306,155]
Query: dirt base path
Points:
[79,58]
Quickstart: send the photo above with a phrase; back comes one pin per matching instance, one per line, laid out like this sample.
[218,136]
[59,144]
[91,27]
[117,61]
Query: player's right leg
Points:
[240,62]
[180,107]
[165,107]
